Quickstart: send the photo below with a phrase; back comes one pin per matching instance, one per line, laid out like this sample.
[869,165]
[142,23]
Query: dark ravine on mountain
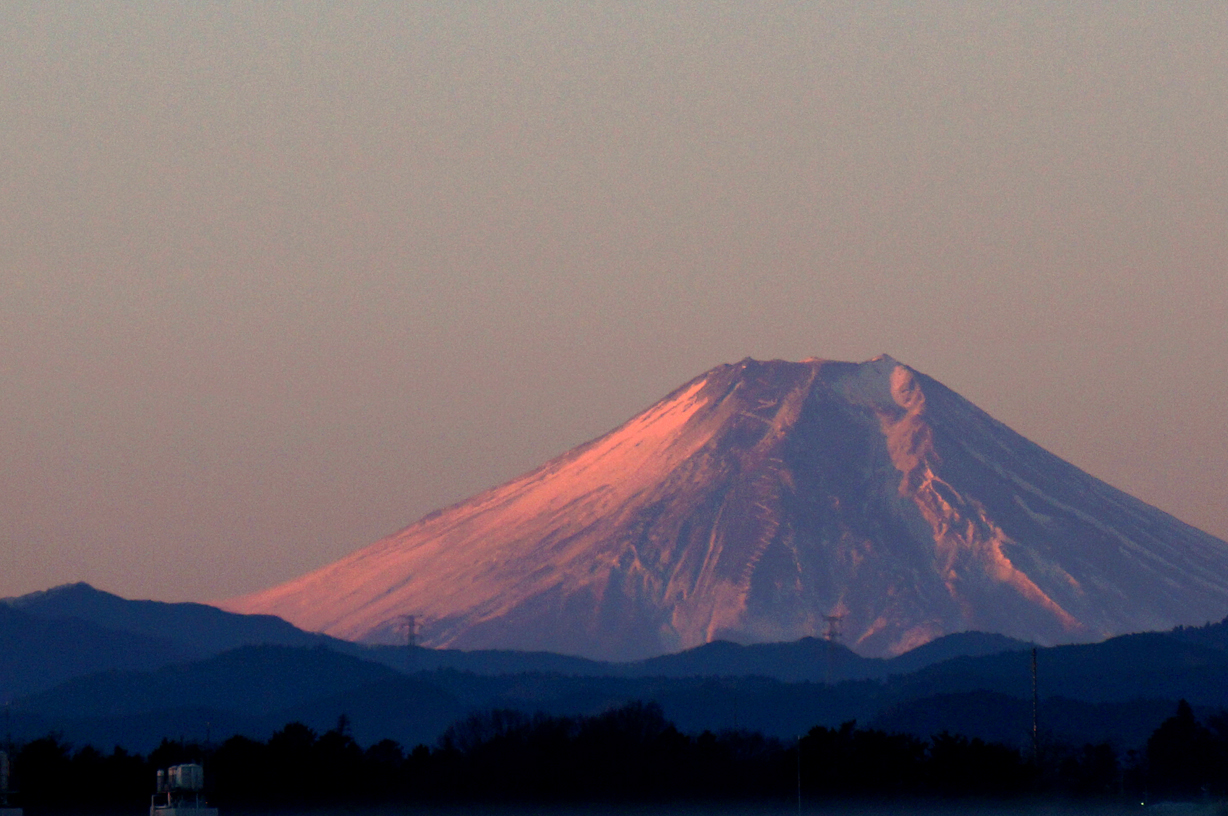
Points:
[756,502]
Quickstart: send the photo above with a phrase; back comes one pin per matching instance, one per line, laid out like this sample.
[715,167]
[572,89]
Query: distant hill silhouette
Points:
[960,644]
[1213,635]
[251,690]
[1118,690]
[106,670]
[249,680]
[76,629]
[1149,665]
[196,629]
[806,659]
[73,630]
[996,717]
[37,653]
[814,660]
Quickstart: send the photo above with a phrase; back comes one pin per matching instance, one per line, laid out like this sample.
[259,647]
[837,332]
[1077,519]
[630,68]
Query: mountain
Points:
[1148,665]
[949,647]
[808,659]
[252,690]
[249,680]
[36,653]
[196,629]
[73,630]
[767,501]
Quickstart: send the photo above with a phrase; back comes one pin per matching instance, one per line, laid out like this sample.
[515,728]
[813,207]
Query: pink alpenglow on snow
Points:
[759,498]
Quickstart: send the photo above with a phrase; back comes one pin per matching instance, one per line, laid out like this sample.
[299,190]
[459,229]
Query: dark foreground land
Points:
[631,759]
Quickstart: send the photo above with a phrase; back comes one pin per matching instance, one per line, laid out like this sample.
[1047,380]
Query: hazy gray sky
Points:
[277,279]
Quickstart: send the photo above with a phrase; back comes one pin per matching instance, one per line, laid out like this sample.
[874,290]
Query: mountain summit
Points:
[767,501]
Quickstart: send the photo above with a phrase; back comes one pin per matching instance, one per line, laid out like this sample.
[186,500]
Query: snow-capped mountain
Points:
[759,502]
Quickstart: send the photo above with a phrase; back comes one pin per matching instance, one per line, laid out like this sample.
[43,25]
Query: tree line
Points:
[630,753]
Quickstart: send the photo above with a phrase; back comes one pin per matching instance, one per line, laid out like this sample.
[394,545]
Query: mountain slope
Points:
[760,500]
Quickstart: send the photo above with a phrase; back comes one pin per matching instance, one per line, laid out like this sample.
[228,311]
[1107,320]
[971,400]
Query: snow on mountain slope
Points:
[759,498]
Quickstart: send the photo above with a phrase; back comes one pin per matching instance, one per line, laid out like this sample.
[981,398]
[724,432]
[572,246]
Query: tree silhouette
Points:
[1180,755]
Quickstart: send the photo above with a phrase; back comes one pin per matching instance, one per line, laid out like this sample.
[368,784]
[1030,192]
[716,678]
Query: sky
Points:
[278,279]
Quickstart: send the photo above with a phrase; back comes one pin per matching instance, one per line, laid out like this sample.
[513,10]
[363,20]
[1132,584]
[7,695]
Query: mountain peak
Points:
[768,501]
[76,589]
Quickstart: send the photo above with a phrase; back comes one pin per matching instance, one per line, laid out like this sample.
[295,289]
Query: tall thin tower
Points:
[1035,705]
[408,625]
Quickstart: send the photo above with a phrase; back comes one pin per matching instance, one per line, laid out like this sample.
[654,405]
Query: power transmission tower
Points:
[408,626]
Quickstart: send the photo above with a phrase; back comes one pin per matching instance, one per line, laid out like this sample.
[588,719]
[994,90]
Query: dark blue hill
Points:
[1149,665]
[409,710]
[1211,635]
[252,690]
[148,634]
[482,661]
[144,731]
[804,660]
[814,660]
[197,629]
[36,653]
[996,717]
[131,684]
[949,647]
[254,680]
[1088,692]
[808,659]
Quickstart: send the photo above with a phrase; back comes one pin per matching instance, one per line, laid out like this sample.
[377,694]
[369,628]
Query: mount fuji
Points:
[769,501]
